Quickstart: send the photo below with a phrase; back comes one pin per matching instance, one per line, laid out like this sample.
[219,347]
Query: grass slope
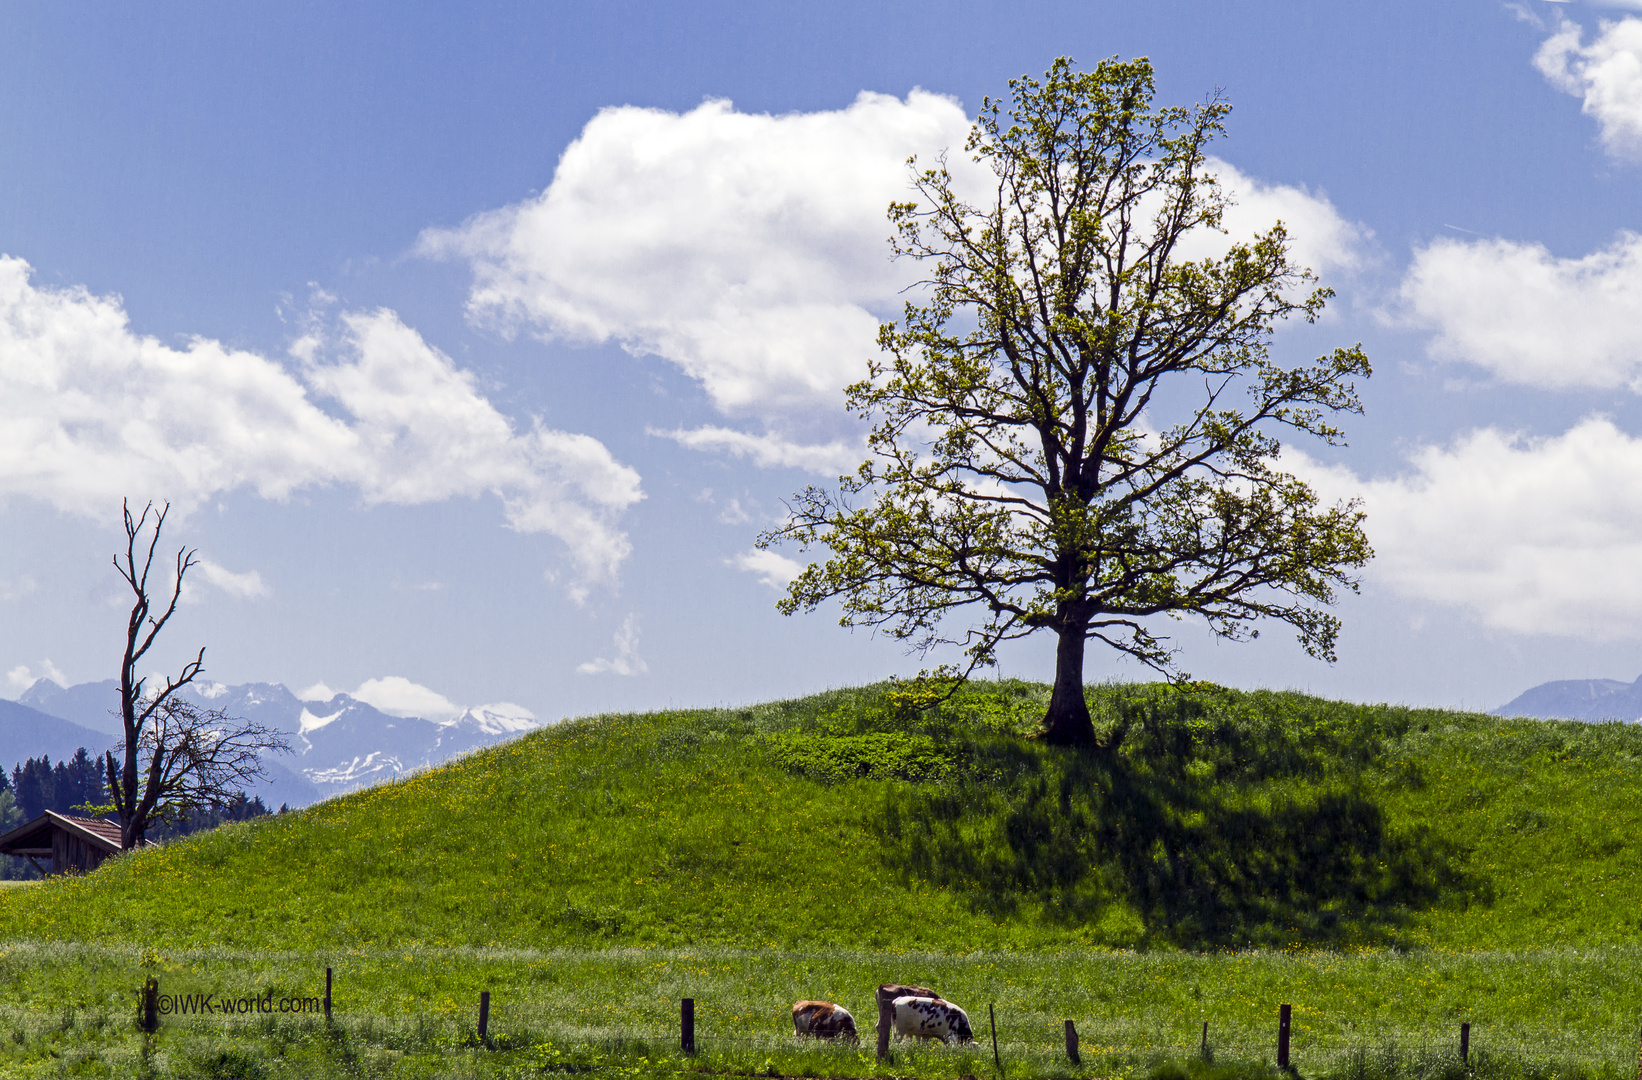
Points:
[853,819]
[1389,871]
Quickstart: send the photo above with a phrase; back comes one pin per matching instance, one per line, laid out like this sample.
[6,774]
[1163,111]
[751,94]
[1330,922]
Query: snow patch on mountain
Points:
[309,722]
[339,743]
[502,718]
[360,771]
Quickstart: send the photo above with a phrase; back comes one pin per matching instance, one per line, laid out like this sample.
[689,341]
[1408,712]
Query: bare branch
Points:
[161,749]
[200,758]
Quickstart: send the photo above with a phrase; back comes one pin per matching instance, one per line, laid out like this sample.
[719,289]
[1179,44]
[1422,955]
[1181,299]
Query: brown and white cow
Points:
[822,1020]
[931,1018]
[888,992]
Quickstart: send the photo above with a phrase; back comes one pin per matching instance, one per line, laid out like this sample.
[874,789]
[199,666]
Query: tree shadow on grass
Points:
[1216,830]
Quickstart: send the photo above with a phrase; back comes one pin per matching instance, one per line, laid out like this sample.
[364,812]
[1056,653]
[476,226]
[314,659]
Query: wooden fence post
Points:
[886,1009]
[1465,1043]
[148,1009]
[327,995]
[1072,1042]
[1203,1048]
[484,1014]
[993,1015]
[1284,1014]
[687,1026]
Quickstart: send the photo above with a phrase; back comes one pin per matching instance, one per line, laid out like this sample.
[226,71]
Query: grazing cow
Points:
[822,1020]
[931,1018]
[888,992]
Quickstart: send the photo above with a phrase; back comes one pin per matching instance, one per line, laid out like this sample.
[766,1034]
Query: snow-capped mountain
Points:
[495,720]
[336,745]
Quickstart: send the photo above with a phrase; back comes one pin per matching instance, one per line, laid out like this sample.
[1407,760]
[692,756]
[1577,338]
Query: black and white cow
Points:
[931,1018]
[822,1020]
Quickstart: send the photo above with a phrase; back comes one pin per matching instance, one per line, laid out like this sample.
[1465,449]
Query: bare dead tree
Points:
[174,755]
[196,758]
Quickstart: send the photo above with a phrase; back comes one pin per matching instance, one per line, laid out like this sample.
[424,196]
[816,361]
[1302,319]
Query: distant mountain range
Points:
[336,746]
[1579,699]
[26,733]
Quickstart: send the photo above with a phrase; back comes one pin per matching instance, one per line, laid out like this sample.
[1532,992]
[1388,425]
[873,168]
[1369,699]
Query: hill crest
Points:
[1219,819]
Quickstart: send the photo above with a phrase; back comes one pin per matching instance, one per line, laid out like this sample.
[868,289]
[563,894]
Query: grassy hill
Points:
[1395,870]
[851,818]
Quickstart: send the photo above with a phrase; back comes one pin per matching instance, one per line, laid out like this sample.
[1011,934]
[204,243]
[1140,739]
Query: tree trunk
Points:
[1067,722]
[125,802]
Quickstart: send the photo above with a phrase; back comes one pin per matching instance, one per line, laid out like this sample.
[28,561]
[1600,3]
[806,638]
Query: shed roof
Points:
[34,837]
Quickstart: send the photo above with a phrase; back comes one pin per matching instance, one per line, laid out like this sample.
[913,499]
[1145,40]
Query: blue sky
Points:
[474,344]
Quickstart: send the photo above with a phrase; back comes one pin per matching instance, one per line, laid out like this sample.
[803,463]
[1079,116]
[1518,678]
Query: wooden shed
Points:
[74,844]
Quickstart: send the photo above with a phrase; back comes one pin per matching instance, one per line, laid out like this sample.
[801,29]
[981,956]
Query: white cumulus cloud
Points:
[429,435]
[1320,237]
[1605,74]
[1528,316]
[748,249]
[246,586]
[398,696]
[751,250]
[1532,535]
[771,568]
[626,661]
[91,412]
[770,451]
[317,692]
[21,677]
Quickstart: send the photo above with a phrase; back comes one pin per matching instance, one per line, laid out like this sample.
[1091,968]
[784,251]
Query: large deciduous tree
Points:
[1078,430]
[176,756]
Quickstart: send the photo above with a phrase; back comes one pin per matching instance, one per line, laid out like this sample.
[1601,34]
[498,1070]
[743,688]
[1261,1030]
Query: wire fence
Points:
[1356,1051]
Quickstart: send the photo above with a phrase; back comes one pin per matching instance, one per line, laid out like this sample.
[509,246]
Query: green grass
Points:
[412,1011]
[1390,871]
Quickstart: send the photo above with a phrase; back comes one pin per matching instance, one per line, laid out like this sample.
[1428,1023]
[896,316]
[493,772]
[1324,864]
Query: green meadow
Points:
[1391,872]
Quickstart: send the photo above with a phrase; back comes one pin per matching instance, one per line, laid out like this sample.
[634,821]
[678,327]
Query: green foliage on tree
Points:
[1078,430]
